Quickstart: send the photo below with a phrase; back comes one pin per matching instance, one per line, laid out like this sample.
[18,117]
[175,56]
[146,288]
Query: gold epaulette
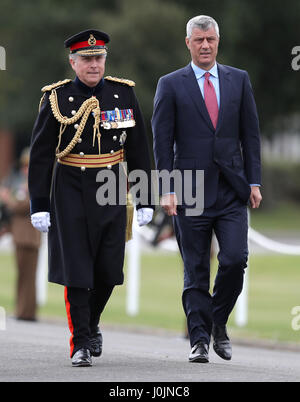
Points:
[55,85]
[120,80]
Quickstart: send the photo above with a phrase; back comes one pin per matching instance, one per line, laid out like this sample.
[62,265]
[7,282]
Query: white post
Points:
[42,270]
[133,276]
[2,58]
[2,319]
[241,308]
[241,314]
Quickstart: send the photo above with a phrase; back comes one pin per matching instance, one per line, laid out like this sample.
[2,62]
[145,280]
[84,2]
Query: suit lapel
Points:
[191,86]
[225,92]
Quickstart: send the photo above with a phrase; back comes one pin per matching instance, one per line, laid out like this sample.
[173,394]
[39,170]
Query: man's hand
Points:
[144,216]
[169,204]
[255,197]
[41,221]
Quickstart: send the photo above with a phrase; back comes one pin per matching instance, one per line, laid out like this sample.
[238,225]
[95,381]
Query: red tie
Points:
[210,98]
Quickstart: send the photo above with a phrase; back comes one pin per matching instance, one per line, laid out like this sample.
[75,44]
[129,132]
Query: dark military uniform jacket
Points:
[85,239]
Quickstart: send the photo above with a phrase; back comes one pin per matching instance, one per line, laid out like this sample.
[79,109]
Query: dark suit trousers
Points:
[228,219]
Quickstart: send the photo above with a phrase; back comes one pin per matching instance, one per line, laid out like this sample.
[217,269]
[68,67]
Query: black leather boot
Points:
[82,358]
[96,343]
[221,344]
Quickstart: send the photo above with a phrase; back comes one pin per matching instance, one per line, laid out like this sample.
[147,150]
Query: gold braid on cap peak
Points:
[121,80]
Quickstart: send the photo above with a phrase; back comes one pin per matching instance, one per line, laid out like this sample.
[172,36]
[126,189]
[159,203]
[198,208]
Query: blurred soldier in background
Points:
[15,201]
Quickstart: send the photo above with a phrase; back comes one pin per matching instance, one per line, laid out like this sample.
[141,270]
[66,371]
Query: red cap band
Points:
[80,45]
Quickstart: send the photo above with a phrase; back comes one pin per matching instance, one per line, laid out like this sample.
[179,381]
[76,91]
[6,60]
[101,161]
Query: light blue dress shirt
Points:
[214,78]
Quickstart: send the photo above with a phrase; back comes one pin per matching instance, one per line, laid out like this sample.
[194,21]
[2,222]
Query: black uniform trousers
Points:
[84,308]
[228,219]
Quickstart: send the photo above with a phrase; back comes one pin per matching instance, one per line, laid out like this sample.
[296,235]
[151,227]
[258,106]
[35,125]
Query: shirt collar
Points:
[199,72]
[90,91]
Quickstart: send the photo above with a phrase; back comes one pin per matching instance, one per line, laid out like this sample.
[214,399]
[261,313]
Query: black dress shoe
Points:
[199,353]
[82,358]
[96,343]
[221,345]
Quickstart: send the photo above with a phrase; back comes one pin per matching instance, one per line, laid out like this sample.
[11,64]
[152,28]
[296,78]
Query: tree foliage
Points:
[147,41]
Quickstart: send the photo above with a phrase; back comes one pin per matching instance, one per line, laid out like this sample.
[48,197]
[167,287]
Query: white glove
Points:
[41,221]
[144,216]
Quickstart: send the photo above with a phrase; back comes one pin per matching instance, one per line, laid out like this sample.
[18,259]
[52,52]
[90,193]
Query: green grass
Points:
[285,217]
[273,292]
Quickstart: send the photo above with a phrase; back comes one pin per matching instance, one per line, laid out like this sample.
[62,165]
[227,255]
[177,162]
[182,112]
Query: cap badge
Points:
[92,40]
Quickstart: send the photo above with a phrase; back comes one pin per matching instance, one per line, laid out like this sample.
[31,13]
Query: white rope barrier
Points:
[253,235]
[241,309]
[133,274]
[272,245]
[42,272]
[134,255]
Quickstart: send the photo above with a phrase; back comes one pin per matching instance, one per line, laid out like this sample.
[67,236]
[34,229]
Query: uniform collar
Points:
[89,91]
[199,72]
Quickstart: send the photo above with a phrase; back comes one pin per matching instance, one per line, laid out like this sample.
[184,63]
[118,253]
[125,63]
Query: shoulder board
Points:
[121,80]
[55,85]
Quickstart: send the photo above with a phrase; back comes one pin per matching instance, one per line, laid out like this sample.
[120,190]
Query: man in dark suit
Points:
[86,127]
[205,119]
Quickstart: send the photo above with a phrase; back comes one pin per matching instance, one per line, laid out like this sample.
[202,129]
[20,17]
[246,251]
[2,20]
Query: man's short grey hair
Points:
[73,56]
[203,22]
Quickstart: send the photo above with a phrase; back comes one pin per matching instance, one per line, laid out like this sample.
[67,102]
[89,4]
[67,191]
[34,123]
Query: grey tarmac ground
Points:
[38,352]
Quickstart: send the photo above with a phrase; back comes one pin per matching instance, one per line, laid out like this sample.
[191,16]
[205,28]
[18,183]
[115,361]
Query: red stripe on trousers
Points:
[68,307]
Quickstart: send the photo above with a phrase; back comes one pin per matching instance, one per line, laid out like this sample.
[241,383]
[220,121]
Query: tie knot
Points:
[207,75]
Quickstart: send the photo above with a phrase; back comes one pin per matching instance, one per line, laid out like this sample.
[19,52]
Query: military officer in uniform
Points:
[86,125]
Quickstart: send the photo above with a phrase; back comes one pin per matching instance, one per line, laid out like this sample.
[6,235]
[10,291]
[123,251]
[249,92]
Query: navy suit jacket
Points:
[184,137]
